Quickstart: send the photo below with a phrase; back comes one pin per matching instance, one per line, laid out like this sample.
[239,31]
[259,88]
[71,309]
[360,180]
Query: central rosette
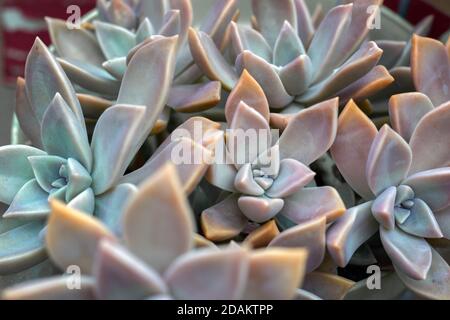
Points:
[267,181]
[399,207]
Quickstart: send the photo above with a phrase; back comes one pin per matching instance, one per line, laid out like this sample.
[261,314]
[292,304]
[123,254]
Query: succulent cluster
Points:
[141,172]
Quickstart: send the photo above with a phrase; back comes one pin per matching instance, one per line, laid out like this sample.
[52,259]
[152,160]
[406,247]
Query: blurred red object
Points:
[21,22]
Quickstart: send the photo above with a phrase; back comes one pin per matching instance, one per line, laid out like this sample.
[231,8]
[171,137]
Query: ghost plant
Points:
[267,177]
[88,176]
[406,191]
[295,63]
[96,56]
[157,259]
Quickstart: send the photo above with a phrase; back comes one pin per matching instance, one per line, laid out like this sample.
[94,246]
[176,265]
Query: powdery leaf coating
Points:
[209,274]
[309,235]
[72,237]
[288,264]
[157,224]
[224,220]
[389,160]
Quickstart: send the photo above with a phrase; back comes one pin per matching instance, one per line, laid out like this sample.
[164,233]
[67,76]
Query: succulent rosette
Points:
[158,259]
[116,32]
[296,64]
[270,179]
[406,188]
[85,174]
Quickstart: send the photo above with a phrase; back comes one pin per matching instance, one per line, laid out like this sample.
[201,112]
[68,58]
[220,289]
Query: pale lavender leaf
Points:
[260,209]
[159,241]
[389,160]
[383,208]
[349,232]
[310,133]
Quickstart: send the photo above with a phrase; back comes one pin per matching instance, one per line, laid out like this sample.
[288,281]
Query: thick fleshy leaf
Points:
[116,140]
[219,18]
[431,137]
[264,73]
[72,237]
[430,65]
[55,288]
[355,135]
[287,47]
[118,12]
[260,209]
[21,247]
[249,135]
[78,179]
[364,14]
[250,92]
[145,30]
[159,58]
[90,77]
[327,286]
[292,177]
[119,275]
[349,232]
[155,240]
[326,39]
[37,271]
[437,283]
[25,114]
[44,79]
[358,66]
[195,97]
[109,207]
[312,203]
[310,133]
[275,273]
[389,160]
[31,202]
[222,174]
[409,253]
[186,16]
[190,158]
[116,67]
[209,274]
[309,235]
[383,208]
[63,135]
[406,110]
[224,220]
[261,237]
[15,169]
[46,170]
[296,76]
[74,44]
[373,82]
[171,25]
[305,26]
[114,40]
[432,186]
[210,60]
[421,221]
[84,202]
[271,15]
[246,38]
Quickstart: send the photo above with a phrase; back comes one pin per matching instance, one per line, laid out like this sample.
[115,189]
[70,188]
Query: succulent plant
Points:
[268,179]
[158,259]
[88,176]
[406,190]
[120,29]
[295,64]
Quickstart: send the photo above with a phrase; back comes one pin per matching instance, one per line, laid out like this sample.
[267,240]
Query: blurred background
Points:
[22,20]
